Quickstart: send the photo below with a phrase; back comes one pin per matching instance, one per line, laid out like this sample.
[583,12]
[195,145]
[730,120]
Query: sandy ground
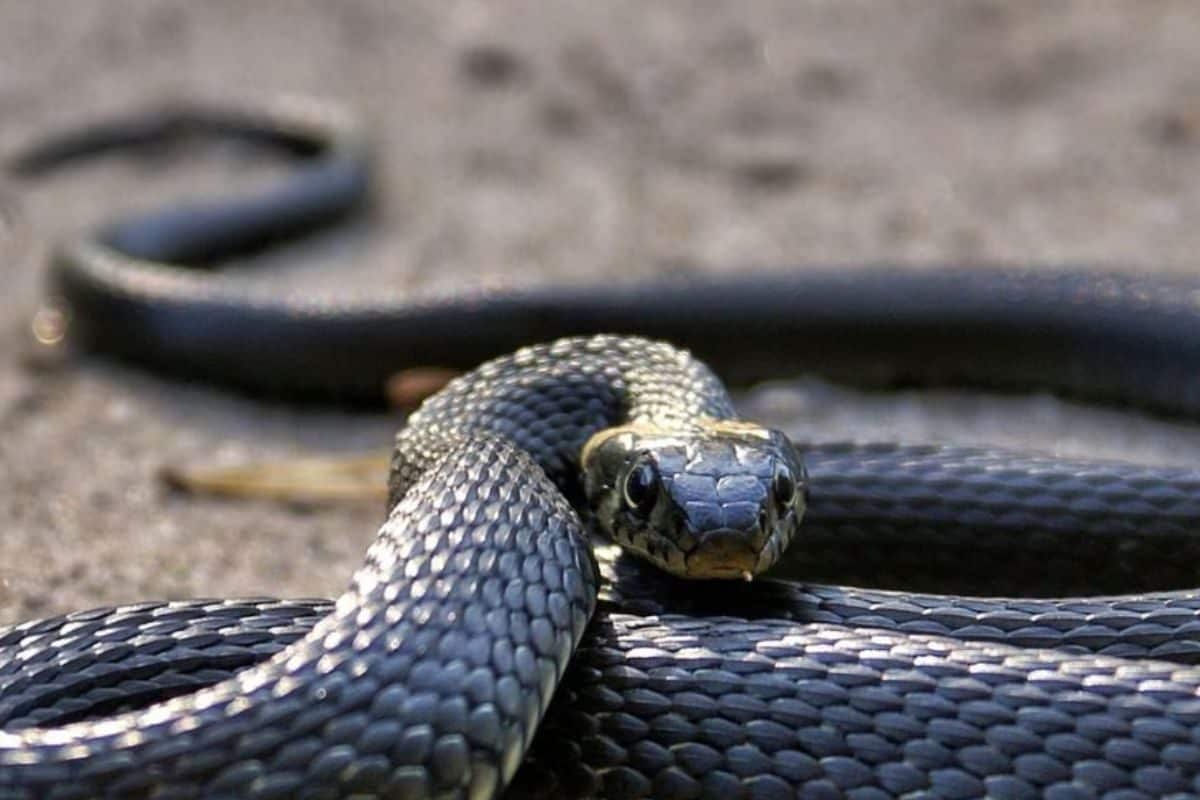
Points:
[534,141]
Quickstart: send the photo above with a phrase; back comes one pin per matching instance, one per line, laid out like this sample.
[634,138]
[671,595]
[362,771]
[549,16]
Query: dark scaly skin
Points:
[774,688]
[432,672]
[410,686]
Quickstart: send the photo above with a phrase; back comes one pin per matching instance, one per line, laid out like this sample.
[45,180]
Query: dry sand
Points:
[535,141]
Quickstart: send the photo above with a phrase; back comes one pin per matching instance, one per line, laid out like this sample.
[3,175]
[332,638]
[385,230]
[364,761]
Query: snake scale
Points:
[487,646]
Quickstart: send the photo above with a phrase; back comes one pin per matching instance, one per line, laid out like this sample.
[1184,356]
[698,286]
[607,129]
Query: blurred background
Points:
[533,141]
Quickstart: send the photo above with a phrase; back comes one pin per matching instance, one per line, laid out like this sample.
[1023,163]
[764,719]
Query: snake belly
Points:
[429,677]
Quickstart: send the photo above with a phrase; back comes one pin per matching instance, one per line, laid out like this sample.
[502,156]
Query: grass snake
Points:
[487,645]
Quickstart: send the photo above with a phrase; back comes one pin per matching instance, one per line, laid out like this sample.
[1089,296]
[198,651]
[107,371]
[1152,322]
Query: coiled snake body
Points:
[431,675]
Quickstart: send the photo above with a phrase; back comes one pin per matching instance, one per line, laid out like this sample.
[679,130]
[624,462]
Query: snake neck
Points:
[550,399]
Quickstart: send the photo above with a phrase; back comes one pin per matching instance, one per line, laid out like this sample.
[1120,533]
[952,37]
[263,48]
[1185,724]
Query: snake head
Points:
[721,499]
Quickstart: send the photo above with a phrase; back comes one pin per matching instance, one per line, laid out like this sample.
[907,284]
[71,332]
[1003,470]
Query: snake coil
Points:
[469,621]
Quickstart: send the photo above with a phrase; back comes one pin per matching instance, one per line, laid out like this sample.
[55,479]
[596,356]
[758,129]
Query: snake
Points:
[594,579]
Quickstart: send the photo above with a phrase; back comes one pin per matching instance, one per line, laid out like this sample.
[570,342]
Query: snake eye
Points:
[641,486]
[783,489]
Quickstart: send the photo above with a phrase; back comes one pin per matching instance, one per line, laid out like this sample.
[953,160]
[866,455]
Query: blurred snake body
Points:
[488,646]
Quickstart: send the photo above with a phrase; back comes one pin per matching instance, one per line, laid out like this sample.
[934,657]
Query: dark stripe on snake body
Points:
[771,689]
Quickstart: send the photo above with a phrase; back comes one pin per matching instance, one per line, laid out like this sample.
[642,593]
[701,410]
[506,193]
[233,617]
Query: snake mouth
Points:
[724,554]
